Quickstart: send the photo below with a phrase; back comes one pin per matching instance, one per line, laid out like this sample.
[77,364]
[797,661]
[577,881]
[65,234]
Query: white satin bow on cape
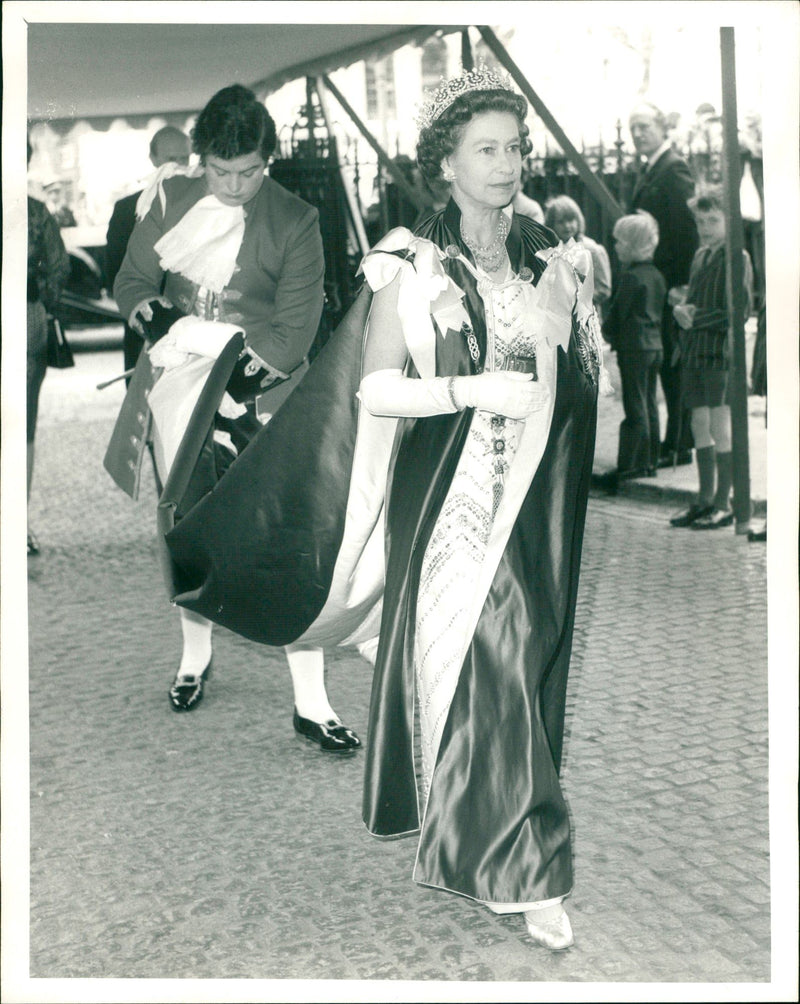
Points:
[428,294]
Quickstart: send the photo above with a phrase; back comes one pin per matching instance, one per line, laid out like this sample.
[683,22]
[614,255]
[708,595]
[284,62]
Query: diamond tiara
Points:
[480,79]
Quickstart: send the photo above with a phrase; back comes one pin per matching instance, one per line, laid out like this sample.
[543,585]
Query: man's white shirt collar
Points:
[666,145]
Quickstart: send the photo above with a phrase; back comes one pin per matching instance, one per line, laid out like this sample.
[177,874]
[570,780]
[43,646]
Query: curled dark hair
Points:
[442,136]
[232,124]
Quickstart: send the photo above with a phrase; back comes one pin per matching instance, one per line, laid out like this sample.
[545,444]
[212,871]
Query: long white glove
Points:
[389,392]
[504,392]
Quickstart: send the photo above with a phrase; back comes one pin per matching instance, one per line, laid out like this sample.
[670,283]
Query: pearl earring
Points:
[448,175]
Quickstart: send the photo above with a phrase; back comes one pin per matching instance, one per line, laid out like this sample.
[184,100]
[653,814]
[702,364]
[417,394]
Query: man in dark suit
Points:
[663,190]
[168,144]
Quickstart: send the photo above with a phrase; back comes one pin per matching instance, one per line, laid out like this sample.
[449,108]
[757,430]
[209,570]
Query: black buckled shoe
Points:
[714,520]
[686,517]
[186,692]
[331,737]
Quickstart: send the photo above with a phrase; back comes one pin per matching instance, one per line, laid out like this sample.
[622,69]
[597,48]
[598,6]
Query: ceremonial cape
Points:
[258,553]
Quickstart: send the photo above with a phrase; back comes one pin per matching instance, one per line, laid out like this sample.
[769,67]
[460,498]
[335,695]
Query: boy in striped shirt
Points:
[703,317]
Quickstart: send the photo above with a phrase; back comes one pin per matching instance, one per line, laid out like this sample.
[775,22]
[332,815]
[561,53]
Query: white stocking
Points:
[307,666]
[196,643]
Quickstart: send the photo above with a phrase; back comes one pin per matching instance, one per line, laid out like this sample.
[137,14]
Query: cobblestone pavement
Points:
[216,846]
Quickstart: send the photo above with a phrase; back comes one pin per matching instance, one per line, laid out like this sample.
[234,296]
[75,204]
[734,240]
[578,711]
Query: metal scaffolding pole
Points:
[734,245]
[593,183]
[467,60]
[397,175]
[356,220]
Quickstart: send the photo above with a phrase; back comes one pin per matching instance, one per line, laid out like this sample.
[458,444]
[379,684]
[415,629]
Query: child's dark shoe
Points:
[714,520]
[687,517]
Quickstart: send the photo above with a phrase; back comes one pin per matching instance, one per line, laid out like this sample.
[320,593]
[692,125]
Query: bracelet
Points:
[452,394]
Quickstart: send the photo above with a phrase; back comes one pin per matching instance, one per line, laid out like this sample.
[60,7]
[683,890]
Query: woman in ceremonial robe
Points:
[442,470]
[485,511]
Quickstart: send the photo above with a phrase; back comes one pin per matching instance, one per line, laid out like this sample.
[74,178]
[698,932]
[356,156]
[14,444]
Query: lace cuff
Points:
[269,373]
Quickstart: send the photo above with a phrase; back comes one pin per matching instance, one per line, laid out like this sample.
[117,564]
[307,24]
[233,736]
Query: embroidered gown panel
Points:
[495,825]
[455,554]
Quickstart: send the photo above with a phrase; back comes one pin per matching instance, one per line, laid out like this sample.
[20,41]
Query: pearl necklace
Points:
[490,258]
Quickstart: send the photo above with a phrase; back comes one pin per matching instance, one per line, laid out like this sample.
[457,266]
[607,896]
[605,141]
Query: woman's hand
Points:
[684,314]
[505,392]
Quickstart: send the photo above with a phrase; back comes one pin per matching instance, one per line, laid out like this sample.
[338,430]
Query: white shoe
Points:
[554,933]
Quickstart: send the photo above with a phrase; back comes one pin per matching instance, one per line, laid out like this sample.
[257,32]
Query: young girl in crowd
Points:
[564,217]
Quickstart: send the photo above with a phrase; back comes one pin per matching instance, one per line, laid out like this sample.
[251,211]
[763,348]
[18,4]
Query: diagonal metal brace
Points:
[593,183]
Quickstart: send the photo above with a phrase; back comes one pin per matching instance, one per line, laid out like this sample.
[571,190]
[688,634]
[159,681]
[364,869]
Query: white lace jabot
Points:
[204,244]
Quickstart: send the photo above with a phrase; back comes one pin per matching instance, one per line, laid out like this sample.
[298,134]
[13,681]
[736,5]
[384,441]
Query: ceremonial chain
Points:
[497,449]
[500,464]
[490,258]
[472,344]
